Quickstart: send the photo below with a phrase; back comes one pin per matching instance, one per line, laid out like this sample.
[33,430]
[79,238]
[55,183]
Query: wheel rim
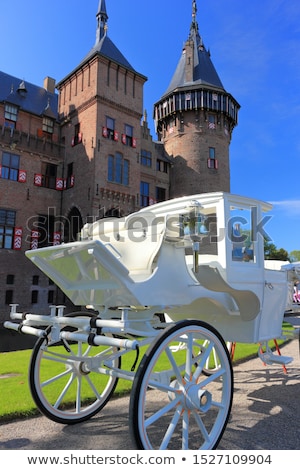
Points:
[68,383]
[174,405]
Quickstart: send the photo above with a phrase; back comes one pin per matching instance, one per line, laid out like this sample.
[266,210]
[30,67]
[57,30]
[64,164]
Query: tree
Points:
[295,256]
[272,252]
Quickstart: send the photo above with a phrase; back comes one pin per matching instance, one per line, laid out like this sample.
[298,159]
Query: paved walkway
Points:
[265,415]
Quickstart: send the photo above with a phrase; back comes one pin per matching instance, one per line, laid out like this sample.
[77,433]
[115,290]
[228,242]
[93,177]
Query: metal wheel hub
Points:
[191,396]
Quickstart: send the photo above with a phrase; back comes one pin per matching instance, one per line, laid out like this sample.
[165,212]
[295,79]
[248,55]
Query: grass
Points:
[16,400]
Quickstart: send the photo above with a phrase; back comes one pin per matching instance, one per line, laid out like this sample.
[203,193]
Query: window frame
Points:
[7,227]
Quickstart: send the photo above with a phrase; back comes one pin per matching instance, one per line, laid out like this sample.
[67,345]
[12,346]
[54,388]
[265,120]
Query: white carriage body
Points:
[146,261]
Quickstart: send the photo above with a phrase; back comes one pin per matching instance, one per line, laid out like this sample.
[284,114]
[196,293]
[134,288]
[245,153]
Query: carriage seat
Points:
[134,240]
[247,301]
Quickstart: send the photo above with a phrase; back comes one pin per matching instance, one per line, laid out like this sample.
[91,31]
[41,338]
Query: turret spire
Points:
[102,18]
[194,15]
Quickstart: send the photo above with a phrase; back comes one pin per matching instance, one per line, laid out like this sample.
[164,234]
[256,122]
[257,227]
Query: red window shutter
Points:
[40,133]
[59,184]
[124,139]
[0,171]
[116,136]
[38,179]
[79,138]
[34,239]
[134,142]
[72,181]
[56,238]
[216,164]
[22,176]
[18,238]
[104,131]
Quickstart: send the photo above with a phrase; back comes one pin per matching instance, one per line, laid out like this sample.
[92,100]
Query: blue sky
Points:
[255,47]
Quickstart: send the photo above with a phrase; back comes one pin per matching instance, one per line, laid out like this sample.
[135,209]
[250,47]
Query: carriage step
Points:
[269,358]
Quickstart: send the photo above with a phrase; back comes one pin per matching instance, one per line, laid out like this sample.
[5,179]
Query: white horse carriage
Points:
[169,285]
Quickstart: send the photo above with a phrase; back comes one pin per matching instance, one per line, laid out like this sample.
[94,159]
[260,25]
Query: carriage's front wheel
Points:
[173,404]
[71,382]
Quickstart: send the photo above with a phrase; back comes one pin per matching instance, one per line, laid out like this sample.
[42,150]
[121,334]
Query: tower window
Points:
[212,162]
[211,121]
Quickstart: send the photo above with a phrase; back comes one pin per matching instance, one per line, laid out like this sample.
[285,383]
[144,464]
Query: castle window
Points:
[110,126]
[48,125]
[50,297]
[10,166]
[10,115]
[77,139]
[128,135]
[70,176]
[49,173]
[160,194]
[7,223]
[118,169]
[34,296]
[161,166]
[45,228]
[9,297]
[10,279]
[144,194]
[146,158]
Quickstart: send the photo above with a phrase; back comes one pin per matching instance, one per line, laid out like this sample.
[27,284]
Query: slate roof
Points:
[204,71]
[107,48]
[28,97]
[104,46]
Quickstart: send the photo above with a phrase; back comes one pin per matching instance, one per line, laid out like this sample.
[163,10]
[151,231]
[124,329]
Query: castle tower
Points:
[195,119]
[100,107]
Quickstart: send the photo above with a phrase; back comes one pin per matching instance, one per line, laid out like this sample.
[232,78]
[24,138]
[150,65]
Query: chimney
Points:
[49,84]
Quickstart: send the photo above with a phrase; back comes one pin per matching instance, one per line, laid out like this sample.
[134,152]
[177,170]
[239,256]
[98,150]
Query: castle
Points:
[86,152]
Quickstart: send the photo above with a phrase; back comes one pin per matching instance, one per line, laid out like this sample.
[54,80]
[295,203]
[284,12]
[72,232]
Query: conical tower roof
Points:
[202,70]
[104,46]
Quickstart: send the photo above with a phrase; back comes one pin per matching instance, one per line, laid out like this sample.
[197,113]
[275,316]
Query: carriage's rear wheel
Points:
[173,404]
[68,381]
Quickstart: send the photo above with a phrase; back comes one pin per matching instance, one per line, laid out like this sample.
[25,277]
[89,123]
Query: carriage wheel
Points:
[213,361]
[65,381]
[173,404]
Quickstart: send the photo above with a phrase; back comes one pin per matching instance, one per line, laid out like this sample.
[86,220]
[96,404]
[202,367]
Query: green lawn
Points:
[16,400]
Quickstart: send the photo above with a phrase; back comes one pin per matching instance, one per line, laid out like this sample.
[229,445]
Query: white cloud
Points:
[291,207]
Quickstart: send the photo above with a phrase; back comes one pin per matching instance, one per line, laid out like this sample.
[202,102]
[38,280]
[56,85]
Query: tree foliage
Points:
[295,256]
[272,252]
